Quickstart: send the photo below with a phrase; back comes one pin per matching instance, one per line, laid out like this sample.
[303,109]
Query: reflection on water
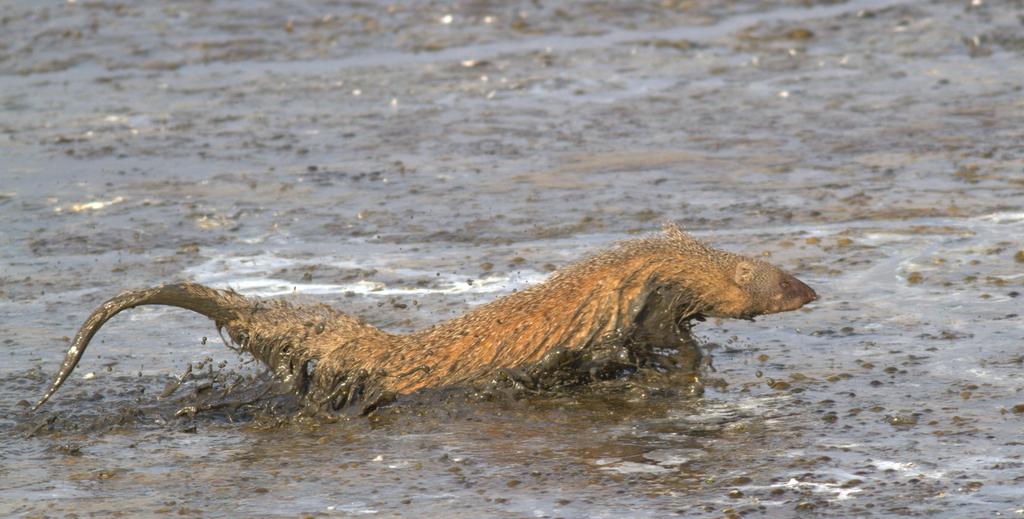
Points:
[405,168]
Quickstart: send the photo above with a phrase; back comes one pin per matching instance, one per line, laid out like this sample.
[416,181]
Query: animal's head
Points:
[731,285]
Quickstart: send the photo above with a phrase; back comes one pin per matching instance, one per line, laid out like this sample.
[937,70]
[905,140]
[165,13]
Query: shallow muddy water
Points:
[408,161]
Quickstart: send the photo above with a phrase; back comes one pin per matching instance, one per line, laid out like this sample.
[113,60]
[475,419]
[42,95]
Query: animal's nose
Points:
[798,294]
[807,293]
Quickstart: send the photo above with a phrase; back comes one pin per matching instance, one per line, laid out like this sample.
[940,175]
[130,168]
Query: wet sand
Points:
[405,163]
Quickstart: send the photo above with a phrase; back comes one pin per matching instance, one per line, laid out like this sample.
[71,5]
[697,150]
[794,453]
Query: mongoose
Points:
[642,291]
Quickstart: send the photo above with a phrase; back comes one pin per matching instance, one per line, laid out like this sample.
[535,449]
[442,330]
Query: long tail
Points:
[220,305]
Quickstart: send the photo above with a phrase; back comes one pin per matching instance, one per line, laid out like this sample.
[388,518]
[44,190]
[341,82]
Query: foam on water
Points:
[251,275]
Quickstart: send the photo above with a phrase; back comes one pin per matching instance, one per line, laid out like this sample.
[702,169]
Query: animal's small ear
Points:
[744,273]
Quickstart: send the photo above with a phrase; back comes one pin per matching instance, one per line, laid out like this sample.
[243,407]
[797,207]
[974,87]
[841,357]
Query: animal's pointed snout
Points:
[798,294]
[808,293]
[803,293]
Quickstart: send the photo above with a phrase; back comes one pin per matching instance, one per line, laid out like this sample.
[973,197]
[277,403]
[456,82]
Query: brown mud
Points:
[410,161]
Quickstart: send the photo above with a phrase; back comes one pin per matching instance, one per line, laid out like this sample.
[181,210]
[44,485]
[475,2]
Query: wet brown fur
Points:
[646,289]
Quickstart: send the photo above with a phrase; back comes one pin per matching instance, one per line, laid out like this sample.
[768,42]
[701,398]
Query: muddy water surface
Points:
[410,160]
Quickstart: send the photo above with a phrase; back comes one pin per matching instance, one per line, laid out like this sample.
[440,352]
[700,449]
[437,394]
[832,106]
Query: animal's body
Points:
[643,291]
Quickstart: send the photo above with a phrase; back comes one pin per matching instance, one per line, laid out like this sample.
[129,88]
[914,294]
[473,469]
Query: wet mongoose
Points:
[642,290]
